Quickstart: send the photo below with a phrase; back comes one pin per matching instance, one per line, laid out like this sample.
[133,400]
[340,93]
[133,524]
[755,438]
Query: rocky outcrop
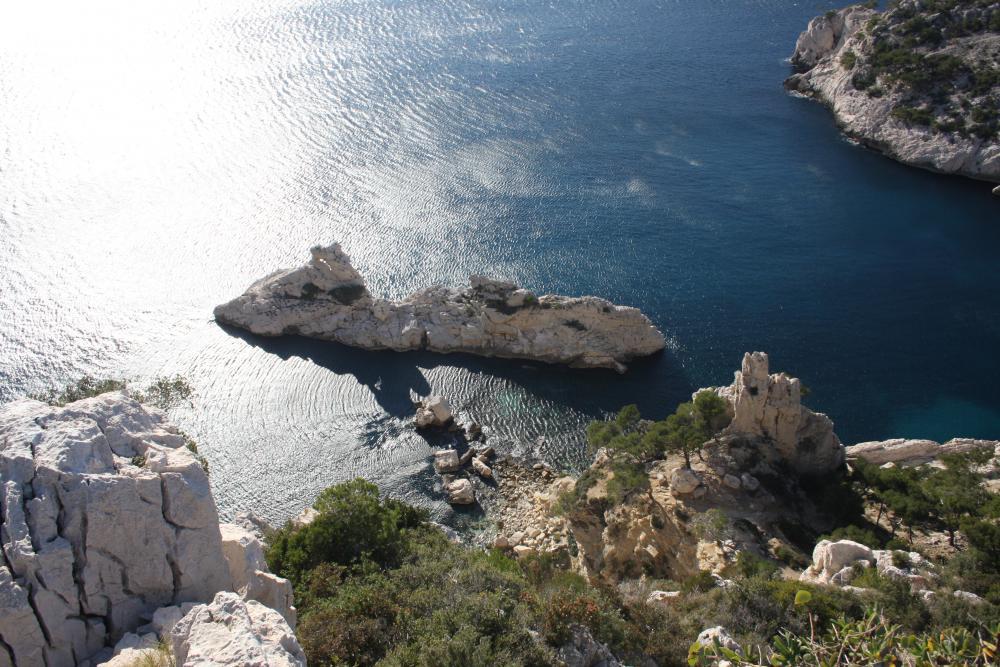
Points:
[582,650]
[837,563]
[251,578]
[906,452]
[768,408]
[328,299]
[233,631]
[106,518]
[940,121]
[434,412]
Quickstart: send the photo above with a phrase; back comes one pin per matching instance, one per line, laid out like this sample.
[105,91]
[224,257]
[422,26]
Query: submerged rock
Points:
[327,299]
[460,492]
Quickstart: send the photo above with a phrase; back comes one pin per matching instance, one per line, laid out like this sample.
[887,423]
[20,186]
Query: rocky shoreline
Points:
[114,553]
[328,299]
[913,82]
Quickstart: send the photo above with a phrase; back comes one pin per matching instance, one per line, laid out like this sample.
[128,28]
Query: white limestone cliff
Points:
[106,519]
[328,299]
[768,407]
[914,452]
[868,118]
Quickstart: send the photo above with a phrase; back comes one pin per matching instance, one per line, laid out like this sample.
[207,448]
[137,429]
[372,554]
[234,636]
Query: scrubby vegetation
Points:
[164,393]
[936,88]
[376,584]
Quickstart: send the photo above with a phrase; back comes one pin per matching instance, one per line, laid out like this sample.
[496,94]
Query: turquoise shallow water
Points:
[156,160]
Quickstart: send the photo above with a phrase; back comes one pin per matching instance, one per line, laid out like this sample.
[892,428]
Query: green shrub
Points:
[872,640]
[865,536]
[353,524]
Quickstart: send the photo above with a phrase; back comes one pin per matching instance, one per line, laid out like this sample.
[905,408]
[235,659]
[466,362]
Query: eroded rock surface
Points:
[913,452]
[109,528]
[233,631]
[106,516]
[937,124]
[768,407]
[327,299]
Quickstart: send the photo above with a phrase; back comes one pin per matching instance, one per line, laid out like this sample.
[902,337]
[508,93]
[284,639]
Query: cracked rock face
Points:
[328,299]
[91,541]
[869,118]
[234,631]
[768,407]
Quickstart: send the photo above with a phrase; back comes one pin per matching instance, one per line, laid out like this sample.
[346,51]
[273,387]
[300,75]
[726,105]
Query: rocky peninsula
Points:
[919,82]
[328,299]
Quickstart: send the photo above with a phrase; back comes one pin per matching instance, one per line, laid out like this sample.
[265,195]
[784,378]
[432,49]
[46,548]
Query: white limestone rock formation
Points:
[914,452]
[108,521]
[433,412]
[835,563]
[460,492]
[231,631]
[250,575]
[833,58]
[106,517]
[768,407]
[328,299]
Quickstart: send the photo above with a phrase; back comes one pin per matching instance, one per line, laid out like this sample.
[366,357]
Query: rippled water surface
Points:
[155,158]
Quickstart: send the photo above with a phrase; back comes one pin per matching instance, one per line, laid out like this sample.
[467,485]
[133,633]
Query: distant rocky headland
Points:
[919,82]
[328,299]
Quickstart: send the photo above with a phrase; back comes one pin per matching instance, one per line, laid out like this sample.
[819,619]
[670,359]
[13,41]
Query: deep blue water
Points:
[155,161]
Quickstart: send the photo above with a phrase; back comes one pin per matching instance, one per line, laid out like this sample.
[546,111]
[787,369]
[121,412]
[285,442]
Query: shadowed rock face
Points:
[768,406]
[92,541]
[835,57]
[328,299]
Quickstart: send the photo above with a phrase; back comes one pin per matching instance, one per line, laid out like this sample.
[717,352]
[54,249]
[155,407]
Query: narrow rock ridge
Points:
[938,131]
[914,452]
[106,517]
[327,299]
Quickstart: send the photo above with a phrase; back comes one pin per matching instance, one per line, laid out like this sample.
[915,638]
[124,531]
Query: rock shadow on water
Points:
[656,383]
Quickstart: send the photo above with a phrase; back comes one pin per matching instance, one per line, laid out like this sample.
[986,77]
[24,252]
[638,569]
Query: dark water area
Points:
[155,161]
